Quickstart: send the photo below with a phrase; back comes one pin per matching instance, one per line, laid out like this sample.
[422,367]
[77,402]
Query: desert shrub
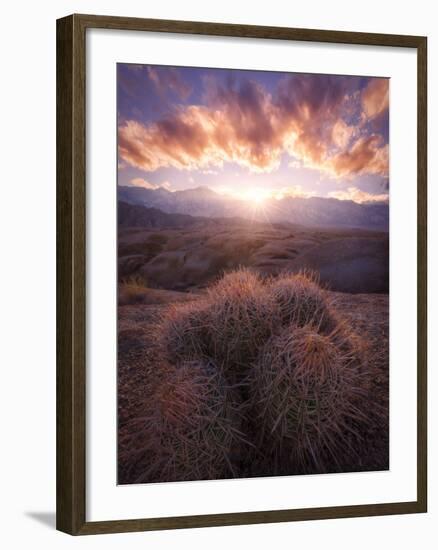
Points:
[132,290]
[184,332]
[238,281]
[306,392]
[229,325]
[189,428]
[242,318]
[300,300]
[270,360]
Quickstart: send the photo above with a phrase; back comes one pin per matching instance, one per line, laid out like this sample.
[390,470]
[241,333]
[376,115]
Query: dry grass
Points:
[189,428]
[305,391]
[132,290]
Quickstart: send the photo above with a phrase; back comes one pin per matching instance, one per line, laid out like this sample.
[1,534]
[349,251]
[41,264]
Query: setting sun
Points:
[256,195]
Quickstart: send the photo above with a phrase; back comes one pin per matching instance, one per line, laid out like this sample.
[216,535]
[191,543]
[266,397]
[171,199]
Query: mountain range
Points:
[204,202]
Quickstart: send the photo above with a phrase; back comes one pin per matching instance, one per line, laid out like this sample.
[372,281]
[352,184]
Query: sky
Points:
[253,134]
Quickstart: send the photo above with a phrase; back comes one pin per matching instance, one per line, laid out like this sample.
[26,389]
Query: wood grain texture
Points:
[71,270]
[71,232]
[422,275]
[64,270]
[248,31]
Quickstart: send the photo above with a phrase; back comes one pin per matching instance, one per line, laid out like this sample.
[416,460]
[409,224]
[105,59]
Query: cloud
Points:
[245,124]
[198,138]
[368,155]
[375,97]
[357,195]
[311,106]
[141,182]
[295,191]
[168,78]
[342,133]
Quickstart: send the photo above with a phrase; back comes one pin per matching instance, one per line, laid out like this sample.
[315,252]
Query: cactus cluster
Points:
[258,377]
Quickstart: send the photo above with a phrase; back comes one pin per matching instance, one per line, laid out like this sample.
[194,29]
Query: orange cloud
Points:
[342,133]
[248,126]
[310,107]
[356,195]
[198,137]
[375,97]
[140,182]
[295,191]
[367,156]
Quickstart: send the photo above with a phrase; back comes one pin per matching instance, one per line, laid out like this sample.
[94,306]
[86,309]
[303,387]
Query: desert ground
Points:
[166,273]
[189,258]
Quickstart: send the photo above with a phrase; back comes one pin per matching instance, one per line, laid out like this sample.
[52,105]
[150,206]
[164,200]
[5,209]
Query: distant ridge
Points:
[136,215]
[313,211]
[133,215]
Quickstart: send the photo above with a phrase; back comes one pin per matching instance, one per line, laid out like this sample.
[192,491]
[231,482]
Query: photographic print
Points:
[253,273]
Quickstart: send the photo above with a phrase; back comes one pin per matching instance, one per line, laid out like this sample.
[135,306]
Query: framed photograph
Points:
[241,288]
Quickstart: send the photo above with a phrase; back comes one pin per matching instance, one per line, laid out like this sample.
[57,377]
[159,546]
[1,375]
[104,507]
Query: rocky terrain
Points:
[183,252]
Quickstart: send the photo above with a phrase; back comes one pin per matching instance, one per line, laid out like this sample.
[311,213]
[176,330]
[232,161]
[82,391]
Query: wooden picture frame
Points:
[71,272]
